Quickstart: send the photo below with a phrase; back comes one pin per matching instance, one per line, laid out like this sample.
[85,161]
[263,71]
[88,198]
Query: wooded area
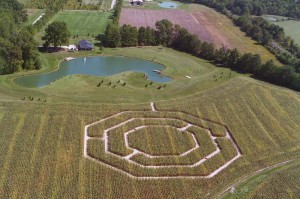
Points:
[17,47]
[288,8]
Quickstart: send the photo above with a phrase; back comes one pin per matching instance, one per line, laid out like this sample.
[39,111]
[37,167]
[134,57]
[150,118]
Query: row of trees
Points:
[266,34]
[177,37]
[17,46]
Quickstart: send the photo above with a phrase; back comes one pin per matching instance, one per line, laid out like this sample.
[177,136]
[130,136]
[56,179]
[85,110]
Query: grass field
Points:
[85,24]
[291,28]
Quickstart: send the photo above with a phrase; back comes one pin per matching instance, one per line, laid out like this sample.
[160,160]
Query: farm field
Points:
[200,20]
[43,143]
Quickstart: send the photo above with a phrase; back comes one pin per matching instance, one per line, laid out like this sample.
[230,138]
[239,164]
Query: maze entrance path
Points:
[183,146]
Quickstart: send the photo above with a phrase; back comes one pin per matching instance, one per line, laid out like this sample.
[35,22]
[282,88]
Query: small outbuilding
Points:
[85,45]
[137,2]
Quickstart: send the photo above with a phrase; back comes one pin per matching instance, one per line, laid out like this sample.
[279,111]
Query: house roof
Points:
[85,44]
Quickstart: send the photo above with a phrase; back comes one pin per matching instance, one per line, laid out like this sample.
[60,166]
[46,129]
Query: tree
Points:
[165,32]
[146,36]
[207,51]
[57,34]
[249,63]
[112,36]
[232,58]
[142,40]
[129,36]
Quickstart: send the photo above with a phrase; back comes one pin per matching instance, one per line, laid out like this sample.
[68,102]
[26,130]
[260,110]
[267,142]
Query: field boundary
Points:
[240,181]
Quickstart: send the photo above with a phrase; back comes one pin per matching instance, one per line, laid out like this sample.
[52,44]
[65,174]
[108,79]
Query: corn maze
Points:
[160,145]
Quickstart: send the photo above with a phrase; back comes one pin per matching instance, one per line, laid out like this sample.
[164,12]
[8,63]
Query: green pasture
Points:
[83,22]
[291,28]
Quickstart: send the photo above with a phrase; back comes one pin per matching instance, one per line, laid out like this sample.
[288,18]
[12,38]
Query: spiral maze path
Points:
[160,145]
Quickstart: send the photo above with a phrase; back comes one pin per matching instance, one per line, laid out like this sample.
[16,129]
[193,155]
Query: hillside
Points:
[43,143]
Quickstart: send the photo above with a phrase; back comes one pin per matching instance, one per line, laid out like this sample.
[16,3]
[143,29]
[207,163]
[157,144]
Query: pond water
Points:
[97,66]
[168,4]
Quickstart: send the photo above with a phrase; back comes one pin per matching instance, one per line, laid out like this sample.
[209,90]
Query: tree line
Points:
[269,35]
[179,38]
[288,8]
[17,46]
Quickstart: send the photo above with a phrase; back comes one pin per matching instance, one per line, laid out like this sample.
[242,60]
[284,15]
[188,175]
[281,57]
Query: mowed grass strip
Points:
[83,22]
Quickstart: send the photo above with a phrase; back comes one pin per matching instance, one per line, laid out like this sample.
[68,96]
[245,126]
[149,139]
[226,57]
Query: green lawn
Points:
[291,28]
[83,22]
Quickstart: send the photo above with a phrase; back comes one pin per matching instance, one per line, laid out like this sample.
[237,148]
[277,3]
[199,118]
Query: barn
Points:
[85,45]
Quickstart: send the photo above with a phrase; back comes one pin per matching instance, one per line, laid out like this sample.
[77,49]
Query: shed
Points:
[137,2]
[85,45]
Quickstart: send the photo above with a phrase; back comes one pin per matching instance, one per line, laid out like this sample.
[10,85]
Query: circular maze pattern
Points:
[200,147]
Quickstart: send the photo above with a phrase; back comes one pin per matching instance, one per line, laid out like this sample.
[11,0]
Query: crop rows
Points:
[160,144]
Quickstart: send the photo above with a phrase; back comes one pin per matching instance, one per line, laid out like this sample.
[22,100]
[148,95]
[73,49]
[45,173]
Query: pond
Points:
[168,4]
[97,66]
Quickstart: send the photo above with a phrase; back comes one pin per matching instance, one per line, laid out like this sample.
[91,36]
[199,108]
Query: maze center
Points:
[161,140]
